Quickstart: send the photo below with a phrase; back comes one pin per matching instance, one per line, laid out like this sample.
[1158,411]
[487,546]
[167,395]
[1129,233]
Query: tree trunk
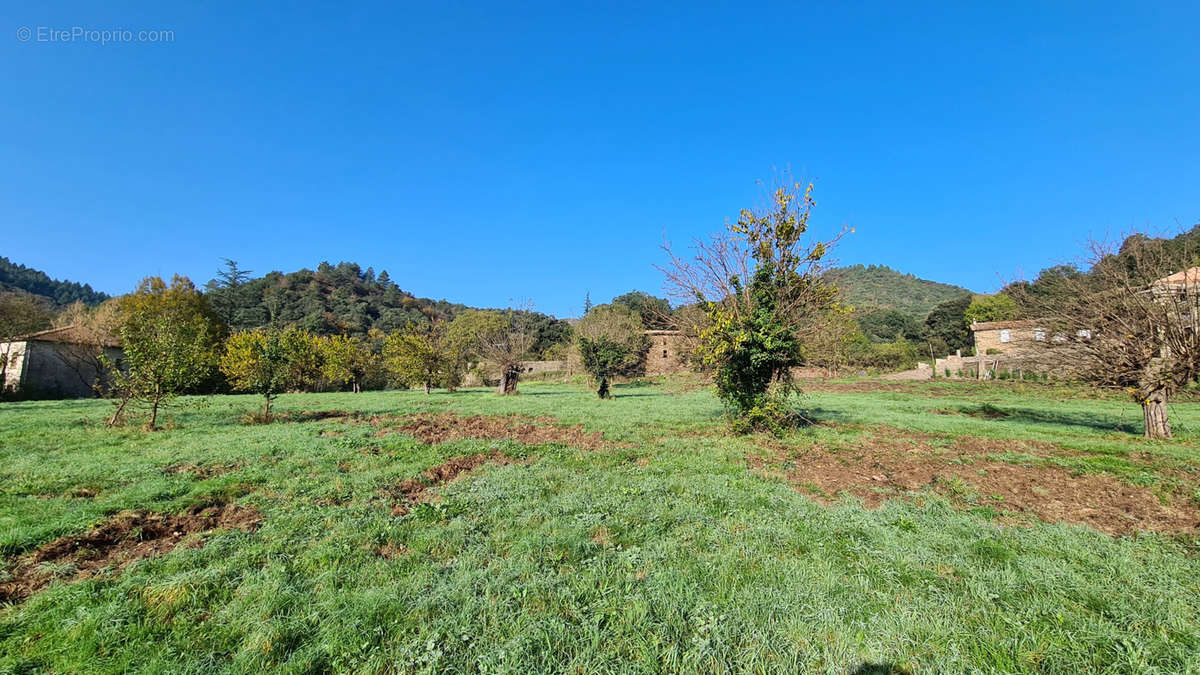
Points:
[427,388]
[1154,410]
[602,392]
[267,410]
[153,423]
[508,380]
[116,416]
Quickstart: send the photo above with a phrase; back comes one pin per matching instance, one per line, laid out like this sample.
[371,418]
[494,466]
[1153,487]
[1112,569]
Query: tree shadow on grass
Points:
[811,416]
[1096,421]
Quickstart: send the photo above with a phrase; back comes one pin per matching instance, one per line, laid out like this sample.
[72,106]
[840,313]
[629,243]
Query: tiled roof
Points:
[998,325]
[1188,277]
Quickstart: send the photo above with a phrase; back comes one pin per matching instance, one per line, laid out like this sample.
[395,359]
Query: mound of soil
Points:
[411,491]
[885,471]
[437,428]
[125,538]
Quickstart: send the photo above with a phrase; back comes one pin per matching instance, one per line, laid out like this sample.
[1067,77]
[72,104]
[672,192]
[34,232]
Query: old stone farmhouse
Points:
[993,338]
[666,353]
[1019,345]
[55,363]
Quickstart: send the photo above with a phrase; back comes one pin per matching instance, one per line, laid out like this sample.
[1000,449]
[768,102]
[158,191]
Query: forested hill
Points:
[884,287]
[336,299]
[15,277]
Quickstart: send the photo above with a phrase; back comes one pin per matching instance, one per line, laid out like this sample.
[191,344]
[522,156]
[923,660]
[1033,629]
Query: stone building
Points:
[1010,338]
[666,355]
[55,363]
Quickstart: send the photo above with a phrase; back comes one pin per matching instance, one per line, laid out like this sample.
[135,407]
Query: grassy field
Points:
[916,527]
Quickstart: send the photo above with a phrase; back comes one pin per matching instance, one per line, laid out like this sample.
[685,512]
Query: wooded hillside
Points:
[879,286]
[335,300]
[15,277]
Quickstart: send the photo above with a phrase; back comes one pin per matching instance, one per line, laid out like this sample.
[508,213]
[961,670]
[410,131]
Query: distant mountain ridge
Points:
[16,277]
[880,286]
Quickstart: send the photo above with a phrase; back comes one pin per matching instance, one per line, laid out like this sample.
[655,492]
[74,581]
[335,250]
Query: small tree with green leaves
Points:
[171,339]
[611,342]
[425,355]
[271,361]
[349,360]
[760,285]
[998,307]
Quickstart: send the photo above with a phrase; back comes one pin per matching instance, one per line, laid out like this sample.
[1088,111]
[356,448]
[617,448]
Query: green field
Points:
[910,529]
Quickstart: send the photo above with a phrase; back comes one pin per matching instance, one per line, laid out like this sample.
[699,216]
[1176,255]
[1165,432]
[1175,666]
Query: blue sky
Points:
[486,152]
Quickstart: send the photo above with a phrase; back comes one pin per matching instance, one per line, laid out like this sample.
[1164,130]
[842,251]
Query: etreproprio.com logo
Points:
[101,36]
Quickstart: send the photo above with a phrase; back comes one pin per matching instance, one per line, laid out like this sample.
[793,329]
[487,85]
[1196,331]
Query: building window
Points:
[1085,334]
[664,353]
[1006,335]
[1039,335]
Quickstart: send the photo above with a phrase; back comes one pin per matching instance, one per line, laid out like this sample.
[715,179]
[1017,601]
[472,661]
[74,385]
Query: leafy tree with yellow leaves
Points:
[424,355]
[271,361]
[350,360]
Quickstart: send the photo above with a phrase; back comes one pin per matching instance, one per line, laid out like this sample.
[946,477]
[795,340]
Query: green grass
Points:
[660,553]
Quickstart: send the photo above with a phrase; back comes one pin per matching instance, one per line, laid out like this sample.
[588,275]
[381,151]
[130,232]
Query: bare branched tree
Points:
[502,340]
[93,334]
[1130,322]
[720,269]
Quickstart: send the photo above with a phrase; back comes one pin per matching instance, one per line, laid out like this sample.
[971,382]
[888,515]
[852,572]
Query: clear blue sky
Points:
[482,152]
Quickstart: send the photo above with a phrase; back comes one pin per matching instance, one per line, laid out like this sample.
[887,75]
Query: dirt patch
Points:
[1051,493]
[412,491]
[200,471]
[391,551]
[118,542]
[434,428]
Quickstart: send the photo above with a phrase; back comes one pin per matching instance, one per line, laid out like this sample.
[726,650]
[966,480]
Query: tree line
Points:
[175,340]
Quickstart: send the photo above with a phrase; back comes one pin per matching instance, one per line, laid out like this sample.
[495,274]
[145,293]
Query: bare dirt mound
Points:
[127,537]
[412,491]
[441,427]
[1051,493]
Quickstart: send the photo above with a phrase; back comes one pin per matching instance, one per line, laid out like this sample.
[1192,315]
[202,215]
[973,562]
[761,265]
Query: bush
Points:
[770,413]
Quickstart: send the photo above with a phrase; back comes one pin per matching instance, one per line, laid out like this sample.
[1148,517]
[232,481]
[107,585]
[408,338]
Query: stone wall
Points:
[43,369]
